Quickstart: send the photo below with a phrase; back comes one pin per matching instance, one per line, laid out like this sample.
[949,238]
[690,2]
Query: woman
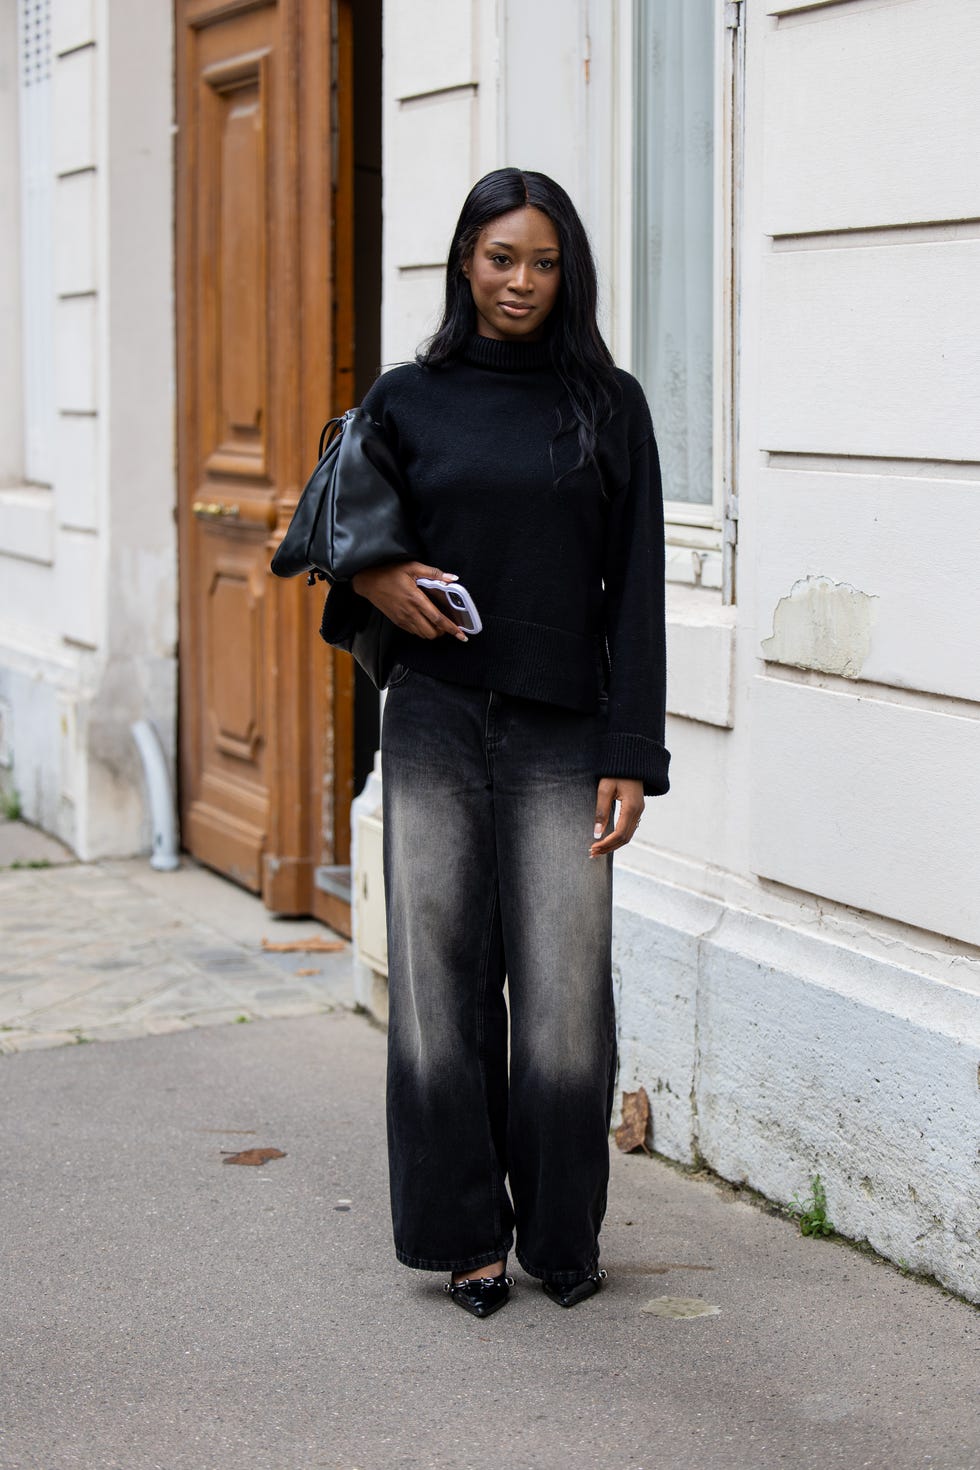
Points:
[532,475]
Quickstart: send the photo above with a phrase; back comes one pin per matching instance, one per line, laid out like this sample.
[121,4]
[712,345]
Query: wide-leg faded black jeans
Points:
[489,806]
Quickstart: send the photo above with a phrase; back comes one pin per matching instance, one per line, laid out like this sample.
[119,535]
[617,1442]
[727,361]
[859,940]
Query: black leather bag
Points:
[350,516]
[352,623]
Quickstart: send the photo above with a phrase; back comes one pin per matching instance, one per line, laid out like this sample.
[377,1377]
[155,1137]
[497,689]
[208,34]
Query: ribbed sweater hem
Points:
[528,660]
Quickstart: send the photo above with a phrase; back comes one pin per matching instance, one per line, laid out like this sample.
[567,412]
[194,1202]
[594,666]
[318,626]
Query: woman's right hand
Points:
[392,589]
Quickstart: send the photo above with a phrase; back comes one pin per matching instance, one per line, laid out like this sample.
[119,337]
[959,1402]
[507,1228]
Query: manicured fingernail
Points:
[598,830]
[462,638]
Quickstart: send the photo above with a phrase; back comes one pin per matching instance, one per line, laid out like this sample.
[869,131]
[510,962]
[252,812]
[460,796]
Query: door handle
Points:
[215,510]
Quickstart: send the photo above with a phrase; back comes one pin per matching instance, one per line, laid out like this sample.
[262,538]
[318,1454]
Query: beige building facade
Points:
[784,201]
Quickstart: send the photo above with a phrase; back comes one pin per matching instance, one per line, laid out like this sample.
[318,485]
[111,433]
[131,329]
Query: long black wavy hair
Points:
[581,358]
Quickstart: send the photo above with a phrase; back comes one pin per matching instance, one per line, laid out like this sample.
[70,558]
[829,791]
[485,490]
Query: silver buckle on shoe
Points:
[453,1286]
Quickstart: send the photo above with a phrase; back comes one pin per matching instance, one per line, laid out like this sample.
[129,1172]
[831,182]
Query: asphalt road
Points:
[162,1309]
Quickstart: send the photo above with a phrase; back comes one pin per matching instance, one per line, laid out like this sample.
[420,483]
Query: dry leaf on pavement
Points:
[632,1131]
[316,944]
[254,1156]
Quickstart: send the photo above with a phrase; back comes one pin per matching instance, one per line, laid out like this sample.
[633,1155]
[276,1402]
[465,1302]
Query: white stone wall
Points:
[438,136]
[88,564]
[797,976]
[862,512]
[822,1014]
[472,85]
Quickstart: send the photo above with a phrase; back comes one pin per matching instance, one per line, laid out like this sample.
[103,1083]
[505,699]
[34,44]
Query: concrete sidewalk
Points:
[164,1310]
[107,950]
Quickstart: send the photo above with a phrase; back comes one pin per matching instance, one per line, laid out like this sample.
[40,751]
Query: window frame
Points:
[35,104]
[701,538]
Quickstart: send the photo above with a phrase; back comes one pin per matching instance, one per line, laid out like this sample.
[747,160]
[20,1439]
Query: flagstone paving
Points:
[98,951]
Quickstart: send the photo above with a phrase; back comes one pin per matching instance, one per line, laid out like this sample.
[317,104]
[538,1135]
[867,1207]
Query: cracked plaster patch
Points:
[823,625]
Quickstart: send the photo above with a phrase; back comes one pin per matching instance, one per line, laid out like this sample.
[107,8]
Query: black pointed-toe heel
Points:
[569,1294]
[482,1295]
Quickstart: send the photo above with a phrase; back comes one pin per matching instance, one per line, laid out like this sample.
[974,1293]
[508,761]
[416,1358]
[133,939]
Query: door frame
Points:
[308,687]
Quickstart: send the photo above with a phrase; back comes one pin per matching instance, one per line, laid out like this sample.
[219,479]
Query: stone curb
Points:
[23,1040]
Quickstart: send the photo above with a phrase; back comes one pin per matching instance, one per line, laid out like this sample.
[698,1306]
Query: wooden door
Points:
[264,356]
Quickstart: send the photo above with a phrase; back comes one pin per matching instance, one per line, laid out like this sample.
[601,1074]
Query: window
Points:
[685,60]
[673,220]
[37,273]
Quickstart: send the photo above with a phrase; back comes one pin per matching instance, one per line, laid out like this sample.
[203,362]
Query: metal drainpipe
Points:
[163,813]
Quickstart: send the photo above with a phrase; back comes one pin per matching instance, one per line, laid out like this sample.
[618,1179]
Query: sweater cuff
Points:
[635,758]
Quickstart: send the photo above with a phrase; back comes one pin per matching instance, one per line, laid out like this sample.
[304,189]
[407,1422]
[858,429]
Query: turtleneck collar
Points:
[504,356]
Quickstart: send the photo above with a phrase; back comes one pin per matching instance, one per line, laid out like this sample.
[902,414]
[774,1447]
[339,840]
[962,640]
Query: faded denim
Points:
[489,805]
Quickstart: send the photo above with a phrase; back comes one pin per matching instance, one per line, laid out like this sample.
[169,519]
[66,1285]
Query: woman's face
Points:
[515,273]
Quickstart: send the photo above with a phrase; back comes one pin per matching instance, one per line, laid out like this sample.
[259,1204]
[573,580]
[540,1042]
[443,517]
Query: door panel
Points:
[235,129]
[265,718]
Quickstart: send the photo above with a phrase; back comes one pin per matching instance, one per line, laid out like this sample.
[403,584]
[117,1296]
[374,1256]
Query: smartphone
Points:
[452,599]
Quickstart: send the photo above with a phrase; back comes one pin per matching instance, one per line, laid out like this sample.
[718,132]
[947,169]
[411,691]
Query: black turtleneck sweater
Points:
[569,576]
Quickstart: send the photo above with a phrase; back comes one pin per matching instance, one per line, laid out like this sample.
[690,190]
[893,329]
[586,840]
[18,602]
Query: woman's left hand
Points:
[629,794]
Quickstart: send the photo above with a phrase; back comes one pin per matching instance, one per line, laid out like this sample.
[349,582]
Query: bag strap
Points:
[329,433]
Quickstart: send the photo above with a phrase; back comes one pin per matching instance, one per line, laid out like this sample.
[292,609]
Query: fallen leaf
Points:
[311,970]
[680,1306]
[316,944]
[632,1131]
[254,1156]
